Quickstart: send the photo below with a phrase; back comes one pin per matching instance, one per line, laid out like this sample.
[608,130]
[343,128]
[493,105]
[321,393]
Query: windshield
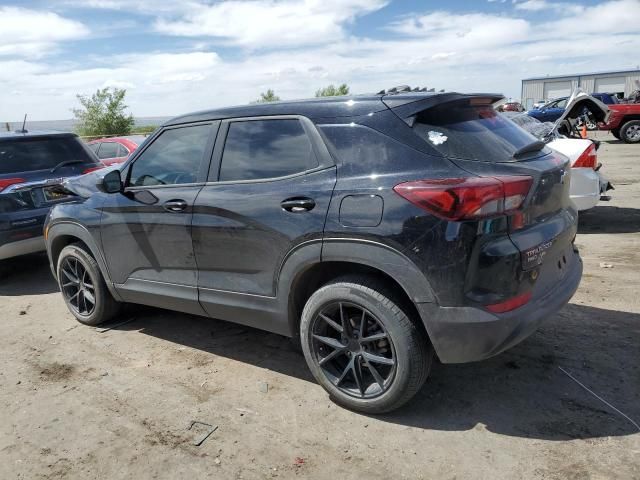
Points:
[31,154]
[470,130]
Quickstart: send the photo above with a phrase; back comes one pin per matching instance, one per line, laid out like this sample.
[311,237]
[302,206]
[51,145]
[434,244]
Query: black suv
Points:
[32,165]
[375,230]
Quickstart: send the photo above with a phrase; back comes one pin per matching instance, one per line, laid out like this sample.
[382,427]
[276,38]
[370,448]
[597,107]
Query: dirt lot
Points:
[80,402]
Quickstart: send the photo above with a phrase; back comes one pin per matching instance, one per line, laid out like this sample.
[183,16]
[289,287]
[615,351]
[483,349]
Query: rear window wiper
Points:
[529,148]
[66,162]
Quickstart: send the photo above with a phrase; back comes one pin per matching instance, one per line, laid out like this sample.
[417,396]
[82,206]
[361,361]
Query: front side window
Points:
[172,158]
[259,149]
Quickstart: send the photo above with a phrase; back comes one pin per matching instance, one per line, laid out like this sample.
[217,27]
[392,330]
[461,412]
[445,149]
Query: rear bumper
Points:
[585,188]
[467,334]
[22,247]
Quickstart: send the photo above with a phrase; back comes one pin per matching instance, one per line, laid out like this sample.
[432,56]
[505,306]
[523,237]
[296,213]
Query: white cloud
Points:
[480,52]
[533,5]
[270,23]
[25,32]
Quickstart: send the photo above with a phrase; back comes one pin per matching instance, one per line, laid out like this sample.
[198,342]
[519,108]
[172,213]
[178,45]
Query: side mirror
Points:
[111,182]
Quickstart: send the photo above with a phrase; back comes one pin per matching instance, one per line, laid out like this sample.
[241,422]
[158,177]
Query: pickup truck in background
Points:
[624,122]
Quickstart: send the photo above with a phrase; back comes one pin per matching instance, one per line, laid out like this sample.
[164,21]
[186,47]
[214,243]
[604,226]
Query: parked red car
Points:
[512,107]
[115,149]
[624,122]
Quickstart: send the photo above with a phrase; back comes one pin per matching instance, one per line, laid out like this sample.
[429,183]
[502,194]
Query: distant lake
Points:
[68,125]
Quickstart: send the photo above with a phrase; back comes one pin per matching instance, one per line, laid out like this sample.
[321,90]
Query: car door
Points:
[146,230]
[555,110]
[269,189]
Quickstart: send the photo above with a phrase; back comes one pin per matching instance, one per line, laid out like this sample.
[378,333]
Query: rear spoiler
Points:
[406,106]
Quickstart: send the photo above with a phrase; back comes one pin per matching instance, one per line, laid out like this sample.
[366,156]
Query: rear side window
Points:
[173,158]
[122,151]
[260,149]
[31,154]
[108,150]
[466,130]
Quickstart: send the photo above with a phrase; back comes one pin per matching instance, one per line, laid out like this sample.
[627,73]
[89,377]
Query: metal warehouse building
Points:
[622,82]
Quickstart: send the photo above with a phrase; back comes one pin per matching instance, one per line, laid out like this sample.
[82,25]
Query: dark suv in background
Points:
[32,164]
[374,229]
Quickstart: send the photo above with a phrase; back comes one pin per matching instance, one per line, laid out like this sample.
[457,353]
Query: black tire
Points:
[616,133]
[105,307]
[630,132]
[404,343]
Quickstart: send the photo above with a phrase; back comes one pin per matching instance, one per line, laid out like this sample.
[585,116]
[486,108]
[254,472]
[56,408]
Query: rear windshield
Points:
[471,130]
[30,154]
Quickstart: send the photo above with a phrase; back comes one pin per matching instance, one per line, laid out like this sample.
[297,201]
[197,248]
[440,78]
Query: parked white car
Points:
[588,185]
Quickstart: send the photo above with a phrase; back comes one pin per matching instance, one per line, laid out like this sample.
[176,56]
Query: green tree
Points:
[270,96]
[332,91]
[103,113]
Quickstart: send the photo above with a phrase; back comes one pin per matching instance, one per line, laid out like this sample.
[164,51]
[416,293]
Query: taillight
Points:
[467,198]
[6,182]
[588,159]
[93,169]
[511,304]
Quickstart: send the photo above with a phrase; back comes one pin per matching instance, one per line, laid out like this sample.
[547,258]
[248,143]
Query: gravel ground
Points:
[81,402]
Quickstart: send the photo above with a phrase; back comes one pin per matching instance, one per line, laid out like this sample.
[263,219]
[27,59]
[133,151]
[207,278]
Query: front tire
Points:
[83,288]
[362,347]
[630,132]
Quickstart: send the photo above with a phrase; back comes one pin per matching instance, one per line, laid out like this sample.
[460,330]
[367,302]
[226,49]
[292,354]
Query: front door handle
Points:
[297,205]
[175,205]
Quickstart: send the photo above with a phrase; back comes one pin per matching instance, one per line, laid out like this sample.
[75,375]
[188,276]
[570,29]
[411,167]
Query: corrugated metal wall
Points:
[632,84]
[533,90]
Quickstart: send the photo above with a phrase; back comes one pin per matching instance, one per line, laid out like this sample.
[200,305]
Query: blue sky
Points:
[174,57]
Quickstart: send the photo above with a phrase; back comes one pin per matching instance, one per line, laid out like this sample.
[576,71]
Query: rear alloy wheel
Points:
[362,347]
[630,132]
[83,288]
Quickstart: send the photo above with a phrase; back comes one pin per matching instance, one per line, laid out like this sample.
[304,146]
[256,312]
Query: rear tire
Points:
[83,288]
[630,132]
[369,355]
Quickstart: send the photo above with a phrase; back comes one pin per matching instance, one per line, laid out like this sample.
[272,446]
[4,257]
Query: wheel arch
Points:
[341,257]
[63,234]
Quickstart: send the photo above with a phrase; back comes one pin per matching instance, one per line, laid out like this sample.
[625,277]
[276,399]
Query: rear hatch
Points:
[469,132]
[32,166]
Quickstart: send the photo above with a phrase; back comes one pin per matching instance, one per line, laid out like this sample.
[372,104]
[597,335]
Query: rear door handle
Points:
[297,205]
[175,205]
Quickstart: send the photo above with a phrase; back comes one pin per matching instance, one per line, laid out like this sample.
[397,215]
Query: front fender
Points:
[61,233]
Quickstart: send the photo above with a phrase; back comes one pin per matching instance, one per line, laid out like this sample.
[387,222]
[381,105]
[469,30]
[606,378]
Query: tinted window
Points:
[172,158]
[266,149]
[108,150]
[122,151]
[465,130]
[94,147]
[29,154]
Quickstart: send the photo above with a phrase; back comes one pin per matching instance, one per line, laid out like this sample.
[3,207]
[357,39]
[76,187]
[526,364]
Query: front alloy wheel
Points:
[77,287]
[83,288]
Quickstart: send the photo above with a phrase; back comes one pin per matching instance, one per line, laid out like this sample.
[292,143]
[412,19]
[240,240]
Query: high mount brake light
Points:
[588,159]
[468,197]
[7,182]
